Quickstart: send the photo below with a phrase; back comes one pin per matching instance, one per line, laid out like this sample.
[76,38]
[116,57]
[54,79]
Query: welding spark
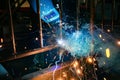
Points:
[56,66]
[80,43]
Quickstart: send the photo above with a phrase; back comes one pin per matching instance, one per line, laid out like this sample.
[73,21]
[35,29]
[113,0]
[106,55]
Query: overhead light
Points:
[108,30]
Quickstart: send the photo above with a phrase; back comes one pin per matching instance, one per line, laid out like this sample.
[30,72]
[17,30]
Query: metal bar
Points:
[40,23]
[12,29]
[36,51]
[92,16]
[78,11]
[47,71]
[92,9]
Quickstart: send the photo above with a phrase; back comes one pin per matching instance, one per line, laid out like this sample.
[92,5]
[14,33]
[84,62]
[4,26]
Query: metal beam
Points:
[12,28]
[36,51]
[78,13]
[39,23]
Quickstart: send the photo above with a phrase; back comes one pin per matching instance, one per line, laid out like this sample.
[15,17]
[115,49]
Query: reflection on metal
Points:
[12,29]
[47,74]
[36,51]
[40,23]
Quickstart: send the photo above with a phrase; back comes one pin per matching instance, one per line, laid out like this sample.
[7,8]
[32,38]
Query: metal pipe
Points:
[92,9]
[40,23]
[36,51]
[12,29]
[92,16]
[91,23]
[78,11]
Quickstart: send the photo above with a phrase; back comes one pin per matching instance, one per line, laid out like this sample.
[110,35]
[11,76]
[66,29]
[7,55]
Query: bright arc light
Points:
[108,53]
[60,42]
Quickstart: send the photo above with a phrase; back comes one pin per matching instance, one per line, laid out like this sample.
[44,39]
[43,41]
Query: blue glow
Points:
[79,43]
[53,68]
[47,11]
